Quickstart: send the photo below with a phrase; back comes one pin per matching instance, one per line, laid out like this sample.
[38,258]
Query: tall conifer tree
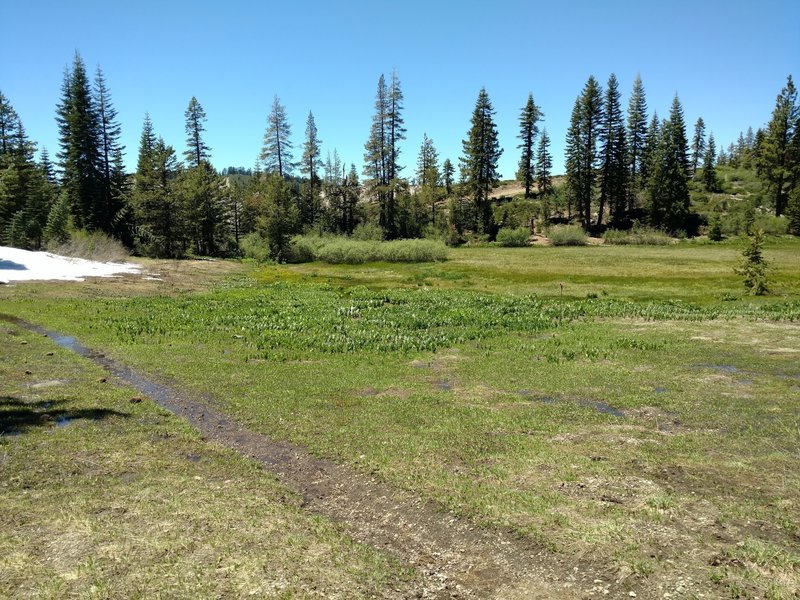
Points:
[698,145]
[479,163]
[309,166]
[197,151]
[113,207]
[528,129]
[80,148]
[613,154]
[544,165]
[276,153]
[582,148]
[778,161]
[709,172]
[668,187]
[637,137]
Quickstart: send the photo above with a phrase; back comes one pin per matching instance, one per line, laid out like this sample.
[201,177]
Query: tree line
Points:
[621,168]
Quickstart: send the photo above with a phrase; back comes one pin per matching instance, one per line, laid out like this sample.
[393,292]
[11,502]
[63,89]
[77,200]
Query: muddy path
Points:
[453,558]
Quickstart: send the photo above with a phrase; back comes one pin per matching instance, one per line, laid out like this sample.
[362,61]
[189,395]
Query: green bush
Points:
[513,238]
[771,225]
[567,235]
[413,251]
[351,252]
[256,247]
[367,232]
[303,249]
[343,250]
[639,236]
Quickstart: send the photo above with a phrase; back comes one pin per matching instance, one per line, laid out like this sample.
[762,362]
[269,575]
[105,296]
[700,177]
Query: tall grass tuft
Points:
[638,236]
[91,246]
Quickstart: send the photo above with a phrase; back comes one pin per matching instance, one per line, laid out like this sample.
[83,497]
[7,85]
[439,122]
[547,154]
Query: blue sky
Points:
[727,60]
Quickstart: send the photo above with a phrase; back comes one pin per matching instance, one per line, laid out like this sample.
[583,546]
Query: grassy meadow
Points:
[629,405]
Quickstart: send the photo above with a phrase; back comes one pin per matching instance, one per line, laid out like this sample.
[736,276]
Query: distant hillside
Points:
[511,188]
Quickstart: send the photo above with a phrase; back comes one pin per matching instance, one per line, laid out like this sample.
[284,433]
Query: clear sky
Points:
[727,60]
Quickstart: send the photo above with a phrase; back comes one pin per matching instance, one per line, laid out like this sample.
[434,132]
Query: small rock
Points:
[135,400]
[49,354]
[28,372]
[632,594]
[101,380]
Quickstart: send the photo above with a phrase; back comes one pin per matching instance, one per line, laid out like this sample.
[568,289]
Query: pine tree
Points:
[668,188]
[427,164]
[114,202]
[47,166]
[778,162]
[698,145]
[309,166]
[200,192]
[649,150]
[25,193]
[544,165]
[200,188]
[447,176]
[276,154]
[78,124]
[709,172]
[158,210]
[279,219]
[396,130]
[382,151]
[197,151]
[528,129]
[376,158]
[582,154]
[636,138]
[753,268]
[613,154]
[428,175]
[574,159]
[479,162]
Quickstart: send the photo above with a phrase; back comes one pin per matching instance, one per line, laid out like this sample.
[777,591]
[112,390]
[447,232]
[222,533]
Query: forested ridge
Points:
[624,168]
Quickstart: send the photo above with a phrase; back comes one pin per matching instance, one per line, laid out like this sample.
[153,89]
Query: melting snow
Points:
[24,265]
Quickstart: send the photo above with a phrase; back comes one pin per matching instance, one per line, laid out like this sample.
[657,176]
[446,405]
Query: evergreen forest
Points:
[625,168]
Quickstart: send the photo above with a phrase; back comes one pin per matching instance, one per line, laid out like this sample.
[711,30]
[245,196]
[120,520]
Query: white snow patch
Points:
[24,265]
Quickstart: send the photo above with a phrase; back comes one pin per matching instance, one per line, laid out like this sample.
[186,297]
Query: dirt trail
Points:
[453,557]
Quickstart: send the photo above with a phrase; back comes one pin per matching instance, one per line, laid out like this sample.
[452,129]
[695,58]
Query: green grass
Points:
[105,498]
[651,428]
[687,272]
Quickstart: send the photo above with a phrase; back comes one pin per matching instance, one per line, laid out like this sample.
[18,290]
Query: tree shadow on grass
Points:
[18,416]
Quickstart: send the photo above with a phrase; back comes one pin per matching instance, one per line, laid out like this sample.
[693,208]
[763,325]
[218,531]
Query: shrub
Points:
[567,235]
[91,246]
[256,247]
[412,251]
[639,236]
[342,250]
[367,232]
[302,249]
[771,225]
[513,238]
